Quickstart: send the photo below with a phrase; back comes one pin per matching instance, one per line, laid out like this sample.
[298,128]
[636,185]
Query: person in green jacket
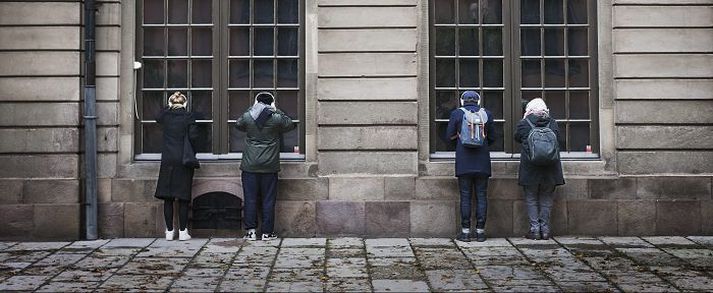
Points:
[264,125]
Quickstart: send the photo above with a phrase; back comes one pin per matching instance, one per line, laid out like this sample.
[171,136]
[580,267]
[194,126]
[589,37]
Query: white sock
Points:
[465,230]
[479,230]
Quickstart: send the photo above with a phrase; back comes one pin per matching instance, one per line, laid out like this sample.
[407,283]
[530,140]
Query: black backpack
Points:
[543,147]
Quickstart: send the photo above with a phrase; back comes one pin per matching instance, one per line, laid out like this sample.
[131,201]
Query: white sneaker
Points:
[170,234]
[250,235]
[269,236]
[183,235]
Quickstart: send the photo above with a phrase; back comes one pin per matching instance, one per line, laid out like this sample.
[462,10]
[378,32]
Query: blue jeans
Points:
[466,183]
[539,200]
[257,185]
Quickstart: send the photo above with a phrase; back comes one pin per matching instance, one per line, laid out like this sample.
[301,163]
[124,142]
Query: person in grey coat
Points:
[538,182]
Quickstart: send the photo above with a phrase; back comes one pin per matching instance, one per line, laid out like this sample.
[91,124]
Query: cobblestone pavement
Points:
[572,264]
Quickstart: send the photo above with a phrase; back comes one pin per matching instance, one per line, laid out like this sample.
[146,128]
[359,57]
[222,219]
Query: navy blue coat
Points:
[471,161]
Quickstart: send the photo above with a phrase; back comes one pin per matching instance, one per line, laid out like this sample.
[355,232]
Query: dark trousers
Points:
[539,200]
[466,184]
[259,185]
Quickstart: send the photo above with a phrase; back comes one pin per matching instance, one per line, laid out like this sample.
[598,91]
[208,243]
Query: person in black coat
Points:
[538,182]
[472,167]
[175,180]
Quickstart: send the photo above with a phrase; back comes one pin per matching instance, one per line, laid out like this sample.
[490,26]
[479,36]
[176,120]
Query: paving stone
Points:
[441,258]
[22,283]
[395,268]
[292,257]
[129,242]
[702,240]
[591,250]
[348,285]
[632,277]
[204,272]
[685,279]
[296,275]
[394,251]
[598,287]
[294,287]
[9,269]
[346,242]
[573,273]
[154,266]
[487,256]
[669,241]
[84,246]
[94,262]
[53,264]
[347,268]
[625,242]
[116,251]
[242,286]
[399,286]
[702,258]
[526,288]
[69,287]
[651,256]
[23,255]
[387,242]
[442,280]
[34,246]
[504,275]
[212,260]
[92,275]
[437,242]
[138,282]
[545,253]
[202,283]
[578,240]
[164,248]
[257,272]
[223,245]
[304,242]
[250,256]
[6,245]
[346,252]
[491,242]
[522,241]
[647,287]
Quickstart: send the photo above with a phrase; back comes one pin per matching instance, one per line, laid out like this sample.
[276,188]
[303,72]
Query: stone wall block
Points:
[674,187]
[372,88]
[673,89]
[591,217]
[17,221]
[365,138]
[302,189]
[40,140]
[51,191]
[665,162]
[295,218]
[39,166]
[111,220]
[369,40]
[39,63]
[636,217]
[663,16]
[677,40]
[367,64]
[364,113]
[107,88]
[109,14]
[107,64]
[650,137]
[44,13]
[11,191]
[441,188]
[356,188]
[678,217]
[323,3]
[367,163]
[399,187]
[573,189]
[341,218]
[388,218]
[617,188]
[39,114]
[104,189]
[499,218]
[380,17]
[133,190]
[707,217]
[107,139]
[659,112]
[40,37]
[107,114]
[504,188]
[434,218]
[57,221]
[140,219]
[663,65]
[35,89]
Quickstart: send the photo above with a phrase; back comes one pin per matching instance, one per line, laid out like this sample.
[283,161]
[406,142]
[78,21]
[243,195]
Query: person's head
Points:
[538,107]
[177,100]
[469,98]
[265,98]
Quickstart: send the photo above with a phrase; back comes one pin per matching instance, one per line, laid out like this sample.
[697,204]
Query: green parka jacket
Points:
[262,146]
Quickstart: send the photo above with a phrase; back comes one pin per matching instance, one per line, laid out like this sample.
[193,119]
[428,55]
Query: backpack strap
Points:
[528,122]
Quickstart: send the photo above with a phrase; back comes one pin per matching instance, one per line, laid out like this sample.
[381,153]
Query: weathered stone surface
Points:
[35,89]
[51,191]
[674,187]
[23,283]
[499,219]
[663,65]
[40,140]
[295,218]
[34,13]
[17,221]
[107,88]
[109,13]
[433,258]
[662,16]
[504,188]
[39,63]
[11,191]
[636,217]
[40,37]
[107,113]
[56,221]
[433,218]
[678,217]
[350,113]
[659,112]
[302,188]
[371,40]
[359,17]
[133,190]
[365,138]
[367,162]
[573,189]
[324,3]
[665,162]
[648,137]
[618,188]
[140,219]
[678,40]
[43,114]
[111,220]
[707,217]
[107,63]
[367,64]
[442,188]
[39,166]
[356,188]
[654,89]
[399,187]
[107,139]
[372,88]
[341,218]
[390,219]
[591,217]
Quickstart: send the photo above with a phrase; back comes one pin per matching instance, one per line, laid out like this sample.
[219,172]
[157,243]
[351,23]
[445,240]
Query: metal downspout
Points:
[90,122]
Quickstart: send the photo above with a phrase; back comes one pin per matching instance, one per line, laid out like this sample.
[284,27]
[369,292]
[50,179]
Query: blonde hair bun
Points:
[177,100]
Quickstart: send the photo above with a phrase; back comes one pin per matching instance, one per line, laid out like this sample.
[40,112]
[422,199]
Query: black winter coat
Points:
[470,161]
[175,180]
[531,174]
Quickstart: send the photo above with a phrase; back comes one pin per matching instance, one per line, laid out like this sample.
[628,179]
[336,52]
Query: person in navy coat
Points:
[472,167]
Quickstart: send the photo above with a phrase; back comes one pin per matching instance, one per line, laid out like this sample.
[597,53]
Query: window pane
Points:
[468,42]
[579,136]
[154,41]
[239,11]
[492,73]
[202,11]
[445,11]
[238,103]
[446,102]
[530,11]
[441,145]
[530,43]
[554,73]
[288,102]
[531,73]
[152,137]
[468,11]
[202,42]
[239,41]
[177,73]
[239,73]
[264,11]
[553,11]
[288,11]
[579,105]
[237,139]
[153,11]
[287,73]
[556,102]
[554,42]
[445,72]
[577,41]
[578,72]
[499,136]
[492,11]
[492,42]
[264,42]
[289,141]
[287,41]
[177,11]
[201,103]
[177,42]
[202,73]
[577,11]
[469,73]
[153,73]
[263,74]
[562,138]
[493,101]
[445,42]
[205,142]
[151,104]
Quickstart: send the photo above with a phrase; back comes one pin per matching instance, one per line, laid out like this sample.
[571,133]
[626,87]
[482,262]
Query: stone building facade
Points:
[366,159]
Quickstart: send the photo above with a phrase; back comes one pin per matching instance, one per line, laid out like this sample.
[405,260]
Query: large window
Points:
[220,53]
[512,51]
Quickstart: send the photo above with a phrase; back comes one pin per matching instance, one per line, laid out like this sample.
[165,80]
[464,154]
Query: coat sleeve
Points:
[452,130]
[286,123]
[161,115]
[490,128]
[241,124]
[194,131]
[556,129]
[521,131]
